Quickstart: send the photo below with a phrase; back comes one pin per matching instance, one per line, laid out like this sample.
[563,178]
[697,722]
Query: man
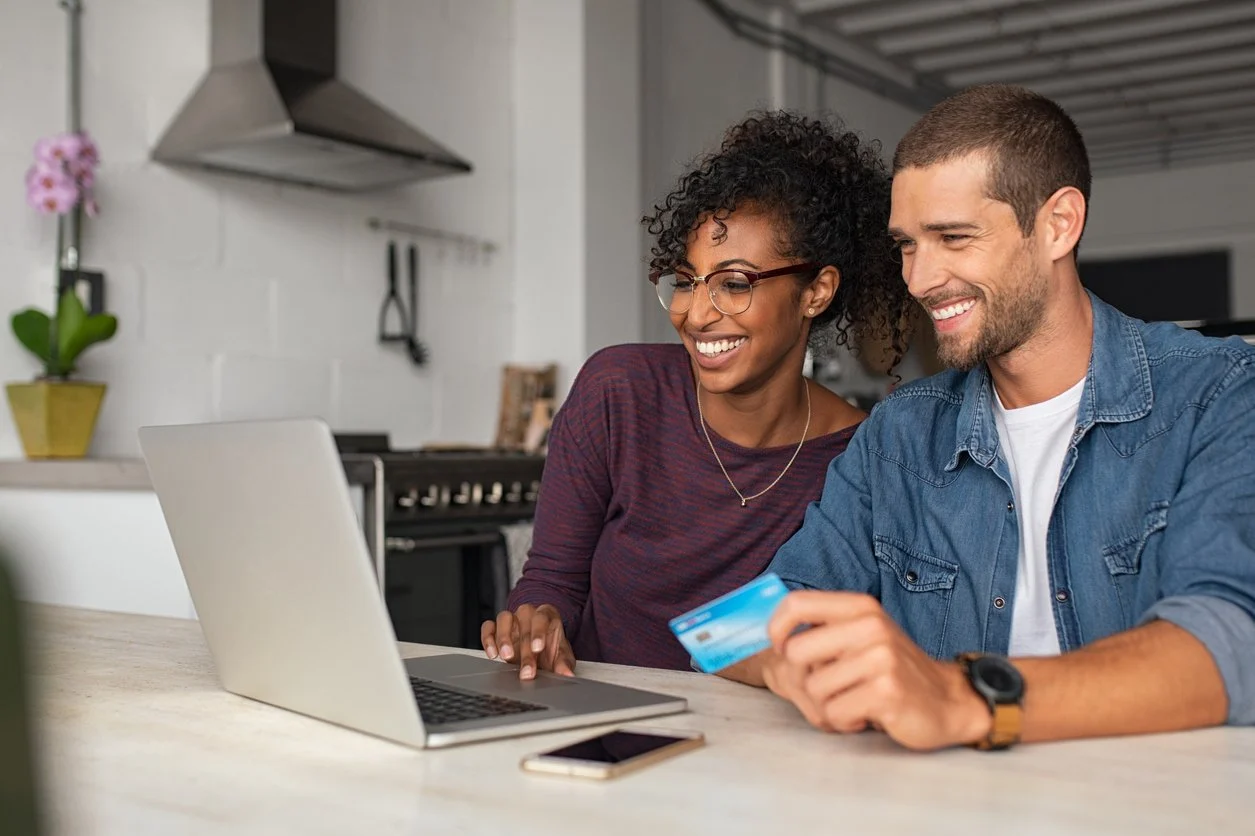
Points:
[1076,494]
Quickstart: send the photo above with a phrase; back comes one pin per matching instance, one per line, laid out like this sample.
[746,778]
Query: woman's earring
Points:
[810,311]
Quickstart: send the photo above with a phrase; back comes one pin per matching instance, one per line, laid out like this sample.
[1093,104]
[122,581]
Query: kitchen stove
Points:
[434,523]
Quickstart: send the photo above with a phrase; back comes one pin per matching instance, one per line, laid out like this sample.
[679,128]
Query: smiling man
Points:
[1055,538]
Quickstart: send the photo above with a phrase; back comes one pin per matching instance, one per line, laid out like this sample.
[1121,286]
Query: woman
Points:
[674,472]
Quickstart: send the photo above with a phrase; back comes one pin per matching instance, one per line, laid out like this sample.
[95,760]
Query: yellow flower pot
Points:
[55,419]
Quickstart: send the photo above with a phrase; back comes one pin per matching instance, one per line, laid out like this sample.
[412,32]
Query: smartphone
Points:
[614,753]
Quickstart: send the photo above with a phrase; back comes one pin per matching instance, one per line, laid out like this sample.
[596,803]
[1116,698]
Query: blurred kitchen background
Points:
[546,127]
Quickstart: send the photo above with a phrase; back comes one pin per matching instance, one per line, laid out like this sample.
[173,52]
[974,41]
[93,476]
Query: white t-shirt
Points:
[1034,440]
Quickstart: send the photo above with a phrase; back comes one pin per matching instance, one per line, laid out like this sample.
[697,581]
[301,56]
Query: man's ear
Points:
[1063,218]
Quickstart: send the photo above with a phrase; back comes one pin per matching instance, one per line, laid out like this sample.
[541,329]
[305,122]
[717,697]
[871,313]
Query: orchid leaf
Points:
[33,329]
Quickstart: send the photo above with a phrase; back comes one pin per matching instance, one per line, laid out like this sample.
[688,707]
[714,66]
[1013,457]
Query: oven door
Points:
[442,581]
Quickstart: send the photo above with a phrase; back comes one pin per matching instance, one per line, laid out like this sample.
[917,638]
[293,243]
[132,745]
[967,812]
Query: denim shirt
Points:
[1154,516]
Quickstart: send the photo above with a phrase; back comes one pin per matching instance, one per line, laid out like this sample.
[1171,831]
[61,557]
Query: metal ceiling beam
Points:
[1165,150]
[1177,46]
[820,7]
[1178,107]
[1110,168]
[1229,59]
[921,96]
[1151,83]
[1027,21]
[1154,129]
[1173,46]
[1198,84]
[1239,137]
[1141,136]
[1066,40]
[1125,169]
[885,16]
[1170,155]
[972,55]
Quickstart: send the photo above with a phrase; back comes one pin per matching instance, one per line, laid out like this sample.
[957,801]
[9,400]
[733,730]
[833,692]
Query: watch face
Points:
[999,677]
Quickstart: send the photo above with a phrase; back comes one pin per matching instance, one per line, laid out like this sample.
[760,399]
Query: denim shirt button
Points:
[1062,596]
[999,602]
[1010,506]
[911,577]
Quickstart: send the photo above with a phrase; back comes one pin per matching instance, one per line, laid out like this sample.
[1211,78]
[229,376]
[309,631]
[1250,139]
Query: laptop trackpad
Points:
[506,682]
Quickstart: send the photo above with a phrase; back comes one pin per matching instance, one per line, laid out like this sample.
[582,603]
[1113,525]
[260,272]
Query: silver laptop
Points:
[277,566]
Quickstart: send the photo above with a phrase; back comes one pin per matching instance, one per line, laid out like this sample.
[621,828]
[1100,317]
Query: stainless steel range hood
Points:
[272,107]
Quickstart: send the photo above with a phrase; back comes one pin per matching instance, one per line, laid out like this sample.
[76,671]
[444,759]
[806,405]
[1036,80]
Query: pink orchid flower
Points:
[63,174]
[46,176]
[56,200]
[88,153]
[59,148]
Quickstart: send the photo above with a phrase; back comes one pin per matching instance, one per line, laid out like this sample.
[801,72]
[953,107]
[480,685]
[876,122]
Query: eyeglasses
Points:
[730,290]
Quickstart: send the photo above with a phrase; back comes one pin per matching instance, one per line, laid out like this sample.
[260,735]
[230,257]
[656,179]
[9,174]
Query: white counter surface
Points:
[75,474]
[137,738]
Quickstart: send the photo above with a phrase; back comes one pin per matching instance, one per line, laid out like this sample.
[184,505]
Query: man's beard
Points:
[1007,320]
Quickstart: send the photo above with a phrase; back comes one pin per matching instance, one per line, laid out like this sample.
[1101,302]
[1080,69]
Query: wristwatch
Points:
[1002,686]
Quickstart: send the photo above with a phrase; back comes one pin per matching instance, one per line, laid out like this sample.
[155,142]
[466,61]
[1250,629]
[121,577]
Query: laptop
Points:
[276,562]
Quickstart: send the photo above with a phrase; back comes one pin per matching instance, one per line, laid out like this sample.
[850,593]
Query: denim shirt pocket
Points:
[1124,558]
[916,590]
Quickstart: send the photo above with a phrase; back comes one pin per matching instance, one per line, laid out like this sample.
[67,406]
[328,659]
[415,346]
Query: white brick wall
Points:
[240,298]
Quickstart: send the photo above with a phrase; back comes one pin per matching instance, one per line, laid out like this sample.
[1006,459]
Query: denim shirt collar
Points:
[1117,387]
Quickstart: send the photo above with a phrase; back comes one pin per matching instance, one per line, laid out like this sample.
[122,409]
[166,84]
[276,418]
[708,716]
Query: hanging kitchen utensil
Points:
[418,351]
[393,301]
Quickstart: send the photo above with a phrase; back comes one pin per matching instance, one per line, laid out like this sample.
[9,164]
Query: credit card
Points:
[732,627]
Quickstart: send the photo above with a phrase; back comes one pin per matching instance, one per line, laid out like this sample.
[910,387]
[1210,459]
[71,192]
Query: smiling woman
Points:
[675,472]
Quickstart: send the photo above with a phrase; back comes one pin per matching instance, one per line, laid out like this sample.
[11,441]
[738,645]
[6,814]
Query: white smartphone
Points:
[614,753]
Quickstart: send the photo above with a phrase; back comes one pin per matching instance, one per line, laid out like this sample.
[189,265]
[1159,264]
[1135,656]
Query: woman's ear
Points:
[819,293]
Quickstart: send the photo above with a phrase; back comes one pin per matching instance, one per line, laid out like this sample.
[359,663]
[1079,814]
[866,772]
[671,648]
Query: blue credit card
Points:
[732,627]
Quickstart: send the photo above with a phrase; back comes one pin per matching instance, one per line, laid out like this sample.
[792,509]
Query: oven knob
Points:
[408,499]
[495,495]
[463,496]
[431,498]
[534,492]
[516,493]
[477,494]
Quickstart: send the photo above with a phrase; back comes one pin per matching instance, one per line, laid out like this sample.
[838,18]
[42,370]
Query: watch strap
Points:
[1005,732]
[1008,717]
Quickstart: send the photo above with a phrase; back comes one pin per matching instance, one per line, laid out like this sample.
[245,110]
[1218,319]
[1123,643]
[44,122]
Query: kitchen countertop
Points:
[138,738]
[88,474]
[104,474]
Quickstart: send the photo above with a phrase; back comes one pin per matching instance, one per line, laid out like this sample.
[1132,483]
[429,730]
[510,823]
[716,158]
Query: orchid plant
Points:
[61,182]
[63,175]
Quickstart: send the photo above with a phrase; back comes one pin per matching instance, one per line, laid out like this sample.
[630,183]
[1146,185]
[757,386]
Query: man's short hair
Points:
[1034,147]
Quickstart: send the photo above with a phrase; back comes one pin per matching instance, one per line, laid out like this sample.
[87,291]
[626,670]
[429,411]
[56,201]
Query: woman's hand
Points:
[530,637]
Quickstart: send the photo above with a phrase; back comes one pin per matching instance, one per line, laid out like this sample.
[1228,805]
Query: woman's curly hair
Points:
[829,192]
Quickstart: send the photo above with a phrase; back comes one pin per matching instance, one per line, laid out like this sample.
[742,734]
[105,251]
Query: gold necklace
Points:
[745,499]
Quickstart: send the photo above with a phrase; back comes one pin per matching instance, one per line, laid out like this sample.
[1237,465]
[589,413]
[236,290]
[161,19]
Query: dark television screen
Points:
[1176,287]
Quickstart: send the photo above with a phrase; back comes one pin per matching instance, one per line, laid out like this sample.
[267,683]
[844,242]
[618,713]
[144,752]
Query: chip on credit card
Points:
[732,627]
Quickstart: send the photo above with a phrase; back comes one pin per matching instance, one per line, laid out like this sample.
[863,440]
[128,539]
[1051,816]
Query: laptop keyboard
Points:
[439,704]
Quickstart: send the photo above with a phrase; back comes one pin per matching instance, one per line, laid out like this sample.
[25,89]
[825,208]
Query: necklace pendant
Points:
[745,500]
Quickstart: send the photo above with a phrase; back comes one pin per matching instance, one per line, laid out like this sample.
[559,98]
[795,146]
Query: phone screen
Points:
[614,747]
